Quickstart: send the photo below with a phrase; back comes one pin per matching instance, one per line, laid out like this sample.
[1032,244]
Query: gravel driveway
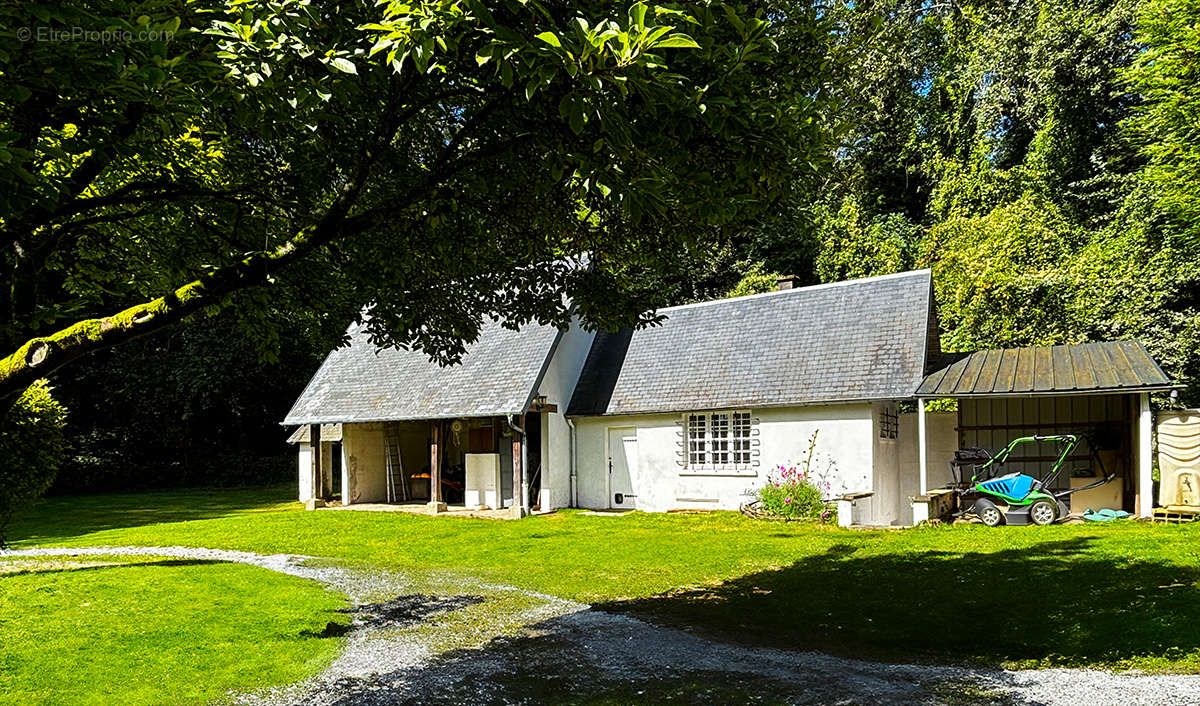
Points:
[452,639]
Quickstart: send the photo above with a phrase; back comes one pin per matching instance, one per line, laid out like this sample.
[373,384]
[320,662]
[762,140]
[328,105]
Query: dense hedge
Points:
[31,449]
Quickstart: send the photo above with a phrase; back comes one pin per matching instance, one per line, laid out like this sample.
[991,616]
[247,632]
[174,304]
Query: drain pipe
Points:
[524,489]
[571,462]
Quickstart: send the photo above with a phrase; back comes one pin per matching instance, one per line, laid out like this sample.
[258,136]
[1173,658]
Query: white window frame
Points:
[716,450]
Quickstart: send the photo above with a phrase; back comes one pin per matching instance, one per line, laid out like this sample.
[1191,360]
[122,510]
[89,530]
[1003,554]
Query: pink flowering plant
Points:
[794,491]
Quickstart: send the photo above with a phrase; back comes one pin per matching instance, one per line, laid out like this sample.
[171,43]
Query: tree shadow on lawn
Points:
[1052,604]
[64,565]
[67,516]
[594,658]
[410,609]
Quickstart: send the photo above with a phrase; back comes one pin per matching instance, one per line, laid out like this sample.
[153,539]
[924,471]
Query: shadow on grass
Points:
[410,609]
[1055,603]
[64,517]
[57,565]
[594,658]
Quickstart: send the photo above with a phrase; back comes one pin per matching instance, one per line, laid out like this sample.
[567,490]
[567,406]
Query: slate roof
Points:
[360,383]
[1114,366]
[847,341]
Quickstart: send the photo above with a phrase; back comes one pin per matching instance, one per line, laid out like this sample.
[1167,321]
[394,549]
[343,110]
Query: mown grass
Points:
[151,630]
[1120,595]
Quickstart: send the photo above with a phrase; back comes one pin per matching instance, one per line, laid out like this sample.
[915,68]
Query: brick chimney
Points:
[785,282]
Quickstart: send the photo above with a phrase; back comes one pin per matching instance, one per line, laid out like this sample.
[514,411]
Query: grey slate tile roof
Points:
[857,340]
[1113,366]
[359,383]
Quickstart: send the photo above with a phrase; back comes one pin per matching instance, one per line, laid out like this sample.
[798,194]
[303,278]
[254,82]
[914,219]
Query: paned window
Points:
[718,440]
[889,423]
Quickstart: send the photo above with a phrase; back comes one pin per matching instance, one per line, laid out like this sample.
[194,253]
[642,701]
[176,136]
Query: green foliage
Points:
[853,245]
[1040,157]
[1002,278]
[792,495]
[755,280]
[1167,76]
[433,162]
[189,406]
[31,449]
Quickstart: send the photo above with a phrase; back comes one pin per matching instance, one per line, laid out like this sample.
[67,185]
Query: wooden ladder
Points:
[397,487]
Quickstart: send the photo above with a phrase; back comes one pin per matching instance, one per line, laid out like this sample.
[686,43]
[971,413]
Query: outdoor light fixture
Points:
[539,401]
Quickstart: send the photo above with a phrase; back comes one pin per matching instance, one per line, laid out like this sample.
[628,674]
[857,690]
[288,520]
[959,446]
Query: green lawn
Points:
[1125,596]
[152,630]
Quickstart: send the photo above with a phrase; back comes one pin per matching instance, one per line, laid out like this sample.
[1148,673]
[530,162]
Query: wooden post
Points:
[1145,457]
[518,453]
[318,474]
[435,469]
[922,449]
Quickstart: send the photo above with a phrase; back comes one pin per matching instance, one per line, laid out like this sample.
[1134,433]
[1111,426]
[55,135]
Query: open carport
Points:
[1099,391]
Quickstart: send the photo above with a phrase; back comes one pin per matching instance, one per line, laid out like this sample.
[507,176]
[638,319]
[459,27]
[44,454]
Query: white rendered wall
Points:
[304,453]
[557,385]
[304,456]
[845,435]
[364,464]
[943,441]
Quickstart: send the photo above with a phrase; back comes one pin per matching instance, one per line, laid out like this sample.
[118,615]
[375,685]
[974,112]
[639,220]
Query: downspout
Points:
[524,467]
[571,461]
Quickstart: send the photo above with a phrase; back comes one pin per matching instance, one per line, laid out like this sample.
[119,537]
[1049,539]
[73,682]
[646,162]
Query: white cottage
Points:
[698,412]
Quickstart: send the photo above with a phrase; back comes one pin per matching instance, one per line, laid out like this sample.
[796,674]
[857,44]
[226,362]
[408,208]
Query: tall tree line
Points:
[1042,157]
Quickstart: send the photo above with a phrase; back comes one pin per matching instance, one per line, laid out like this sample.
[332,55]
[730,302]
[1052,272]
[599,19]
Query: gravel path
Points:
[451,639]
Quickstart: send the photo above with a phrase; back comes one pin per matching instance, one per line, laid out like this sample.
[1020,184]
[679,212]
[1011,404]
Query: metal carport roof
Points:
[1088,368]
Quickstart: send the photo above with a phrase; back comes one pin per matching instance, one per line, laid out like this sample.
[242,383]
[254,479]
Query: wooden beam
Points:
[435,468]
[518,452]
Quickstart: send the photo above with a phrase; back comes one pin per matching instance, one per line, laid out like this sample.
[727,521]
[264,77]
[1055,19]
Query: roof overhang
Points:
[1053,393]
[1108,368]
[376,420]
[744,406]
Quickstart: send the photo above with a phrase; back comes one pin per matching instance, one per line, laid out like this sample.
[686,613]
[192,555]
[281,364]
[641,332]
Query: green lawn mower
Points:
[1015,498]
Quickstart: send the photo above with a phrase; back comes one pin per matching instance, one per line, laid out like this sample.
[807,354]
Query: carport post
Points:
[435,468]
[518,455]
[1145,460]
[922,448]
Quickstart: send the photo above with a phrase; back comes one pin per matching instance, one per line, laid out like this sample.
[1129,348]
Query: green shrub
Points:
[790,494]
[796,491]
[755,280]
[31,448]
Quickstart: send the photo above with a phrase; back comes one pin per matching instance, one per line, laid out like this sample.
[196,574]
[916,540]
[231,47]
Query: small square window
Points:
[889,423]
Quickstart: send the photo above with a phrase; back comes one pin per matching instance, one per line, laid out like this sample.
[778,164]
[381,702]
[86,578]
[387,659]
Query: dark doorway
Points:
[336,468]
[533,456]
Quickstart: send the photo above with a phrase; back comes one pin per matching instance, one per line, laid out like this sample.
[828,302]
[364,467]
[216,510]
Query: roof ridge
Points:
[809,288]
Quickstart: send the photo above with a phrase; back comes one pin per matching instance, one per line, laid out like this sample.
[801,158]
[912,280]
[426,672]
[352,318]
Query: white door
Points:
[622,468]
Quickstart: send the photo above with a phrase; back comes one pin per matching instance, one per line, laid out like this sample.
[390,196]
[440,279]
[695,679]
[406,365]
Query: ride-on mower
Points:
[1016,498]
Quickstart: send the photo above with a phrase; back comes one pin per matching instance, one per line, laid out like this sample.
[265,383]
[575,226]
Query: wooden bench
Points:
[933,505]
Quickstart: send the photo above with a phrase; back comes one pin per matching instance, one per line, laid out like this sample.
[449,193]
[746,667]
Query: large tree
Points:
[438,161]
[1167,75]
